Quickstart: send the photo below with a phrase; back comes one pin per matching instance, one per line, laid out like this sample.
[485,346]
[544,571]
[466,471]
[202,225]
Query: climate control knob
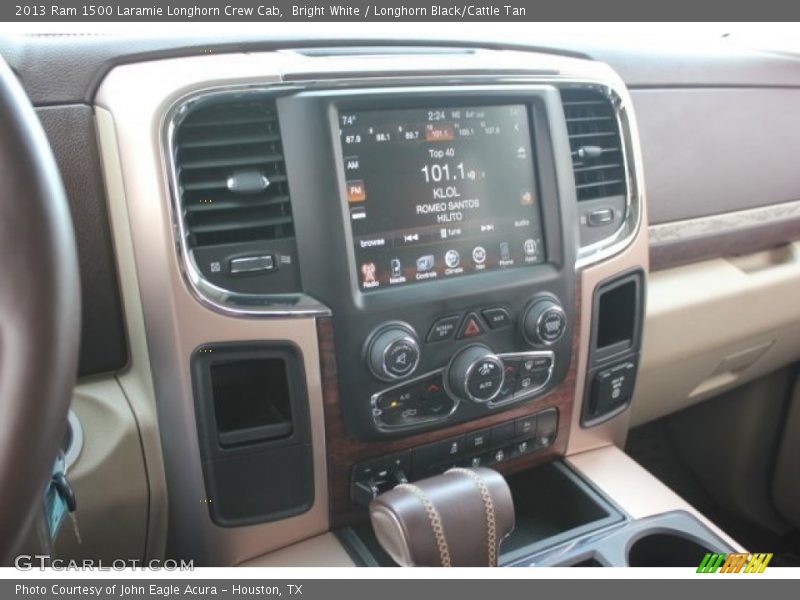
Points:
[544,322]
[393,352]
[476,373]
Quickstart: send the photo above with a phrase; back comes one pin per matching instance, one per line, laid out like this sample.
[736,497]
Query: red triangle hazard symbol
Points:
[472,328]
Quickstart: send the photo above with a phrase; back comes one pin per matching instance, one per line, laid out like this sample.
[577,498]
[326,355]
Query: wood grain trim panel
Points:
[344,451]
[729,234]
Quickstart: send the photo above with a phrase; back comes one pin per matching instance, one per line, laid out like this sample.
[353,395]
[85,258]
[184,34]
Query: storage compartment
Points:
[563,521]
[553,504]
[616,316]
[253,428]
[251,400]
[618,307]
[666,550]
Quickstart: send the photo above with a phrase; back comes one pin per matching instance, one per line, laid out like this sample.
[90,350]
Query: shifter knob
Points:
[455,519]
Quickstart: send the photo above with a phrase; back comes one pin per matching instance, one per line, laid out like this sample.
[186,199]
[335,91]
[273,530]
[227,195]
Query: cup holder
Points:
[671,539]
[666,549]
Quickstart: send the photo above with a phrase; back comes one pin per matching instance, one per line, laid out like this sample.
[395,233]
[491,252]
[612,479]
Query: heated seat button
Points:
[443,329]
[497,317]
[525,426]
[471,327]
[503,432]
[477,440]
[547,424]
[439,452]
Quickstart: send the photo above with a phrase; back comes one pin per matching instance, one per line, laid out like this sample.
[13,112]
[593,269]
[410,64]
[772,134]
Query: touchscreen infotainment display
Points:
[440,192]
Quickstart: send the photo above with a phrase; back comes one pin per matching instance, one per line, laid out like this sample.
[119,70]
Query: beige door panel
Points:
[716,324]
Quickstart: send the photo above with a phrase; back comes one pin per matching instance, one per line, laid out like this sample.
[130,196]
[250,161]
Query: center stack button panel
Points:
[476,379]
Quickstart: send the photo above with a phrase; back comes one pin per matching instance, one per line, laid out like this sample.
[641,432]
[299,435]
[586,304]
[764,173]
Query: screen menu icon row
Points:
[424,266]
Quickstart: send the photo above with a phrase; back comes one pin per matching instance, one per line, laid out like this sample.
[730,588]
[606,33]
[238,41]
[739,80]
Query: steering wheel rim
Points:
[39,312]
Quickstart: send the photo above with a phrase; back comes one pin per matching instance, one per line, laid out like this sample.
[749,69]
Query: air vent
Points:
[231,174]
[594,139]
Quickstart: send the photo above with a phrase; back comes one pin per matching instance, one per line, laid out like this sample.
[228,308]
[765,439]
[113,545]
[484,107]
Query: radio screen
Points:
[440,192]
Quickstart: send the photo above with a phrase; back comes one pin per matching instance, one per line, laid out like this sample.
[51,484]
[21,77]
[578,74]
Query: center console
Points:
[446,249]
[450,248]
[449,271]
[440,227]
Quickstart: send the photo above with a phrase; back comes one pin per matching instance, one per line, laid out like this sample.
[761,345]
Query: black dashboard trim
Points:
[71,131]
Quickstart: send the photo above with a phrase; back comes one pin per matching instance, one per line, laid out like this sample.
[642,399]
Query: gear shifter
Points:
[456,519]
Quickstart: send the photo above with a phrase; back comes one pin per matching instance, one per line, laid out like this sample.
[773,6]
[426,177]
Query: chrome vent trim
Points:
[231,173]
[624,180]
[595,143]
[249,187]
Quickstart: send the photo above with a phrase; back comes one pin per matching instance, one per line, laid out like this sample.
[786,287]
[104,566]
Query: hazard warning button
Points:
[471,327]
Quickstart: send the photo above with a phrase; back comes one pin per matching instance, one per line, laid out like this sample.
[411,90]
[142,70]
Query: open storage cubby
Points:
[254,431]
[617,314]
[251,400]
[553,504]
[562,520]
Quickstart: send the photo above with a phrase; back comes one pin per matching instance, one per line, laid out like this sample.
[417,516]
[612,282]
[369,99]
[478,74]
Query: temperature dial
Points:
[476,373]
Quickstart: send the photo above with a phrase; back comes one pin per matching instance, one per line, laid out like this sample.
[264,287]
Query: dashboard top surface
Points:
[68,69]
